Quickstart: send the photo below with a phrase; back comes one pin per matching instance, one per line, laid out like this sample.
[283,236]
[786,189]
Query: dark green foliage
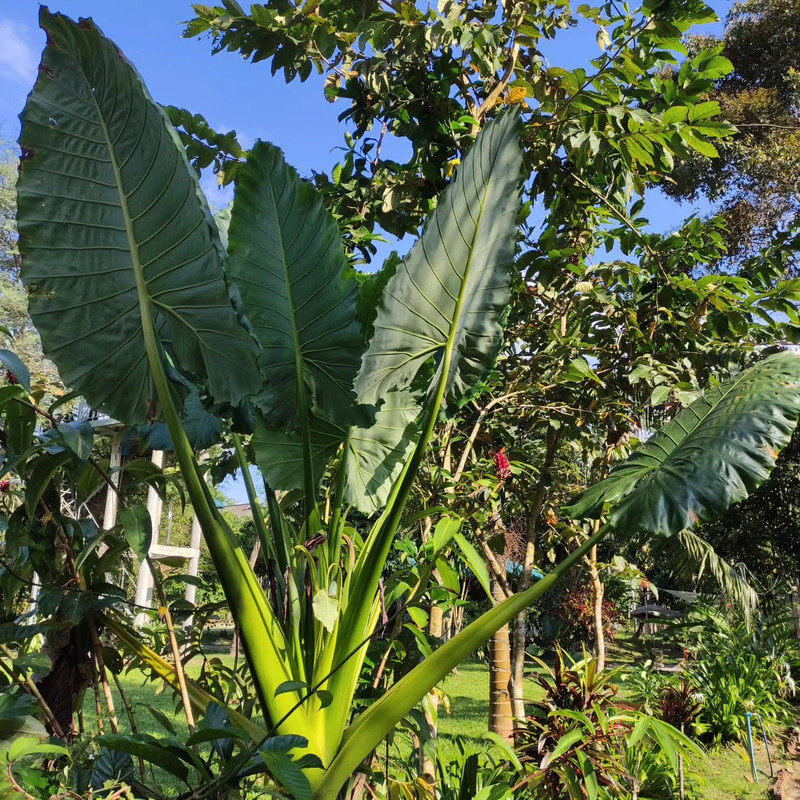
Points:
[754,183]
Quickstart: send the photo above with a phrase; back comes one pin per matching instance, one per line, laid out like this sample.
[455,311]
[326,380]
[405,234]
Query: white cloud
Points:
[18,60]
[218,198]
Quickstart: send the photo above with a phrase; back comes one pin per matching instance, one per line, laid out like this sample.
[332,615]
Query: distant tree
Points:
[13,297]
[755,183]
[9,255]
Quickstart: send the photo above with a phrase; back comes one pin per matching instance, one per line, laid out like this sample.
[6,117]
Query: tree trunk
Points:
[597,607]
[500,709]
[521,620]
[427,766]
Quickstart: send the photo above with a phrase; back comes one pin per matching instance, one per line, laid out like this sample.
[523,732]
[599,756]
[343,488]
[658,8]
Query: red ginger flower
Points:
[502,467]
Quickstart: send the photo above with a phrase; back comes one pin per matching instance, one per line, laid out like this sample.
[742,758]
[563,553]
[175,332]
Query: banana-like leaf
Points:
[286,259]
[445,301]
[713,454]
[112,226]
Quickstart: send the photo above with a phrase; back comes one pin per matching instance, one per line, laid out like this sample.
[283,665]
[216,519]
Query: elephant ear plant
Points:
[145,314]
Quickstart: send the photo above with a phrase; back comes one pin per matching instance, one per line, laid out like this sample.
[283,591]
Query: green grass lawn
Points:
[724,774]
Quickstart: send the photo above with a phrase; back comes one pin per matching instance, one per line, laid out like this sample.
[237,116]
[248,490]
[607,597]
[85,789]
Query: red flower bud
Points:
[11,377]
[5,486]
[502,468]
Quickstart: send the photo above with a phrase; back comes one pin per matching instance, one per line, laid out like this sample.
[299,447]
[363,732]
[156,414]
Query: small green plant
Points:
[644,686]
[463,775]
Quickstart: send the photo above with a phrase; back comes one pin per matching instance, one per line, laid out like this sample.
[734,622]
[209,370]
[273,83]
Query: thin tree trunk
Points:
[500,709]
[427,765]
[521,620]
[101,674]
[520,643]
[597,607]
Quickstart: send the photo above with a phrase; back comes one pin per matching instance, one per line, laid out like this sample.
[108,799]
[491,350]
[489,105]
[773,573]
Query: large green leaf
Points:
[375,458]
[114,229]
[713,454]
[286,259]
[377,453]
[279,453]
[446,299]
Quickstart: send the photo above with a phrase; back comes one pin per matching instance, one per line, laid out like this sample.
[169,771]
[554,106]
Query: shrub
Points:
[580,742]
[576,615]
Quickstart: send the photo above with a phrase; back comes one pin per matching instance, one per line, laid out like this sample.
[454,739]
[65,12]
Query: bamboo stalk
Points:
[173,641]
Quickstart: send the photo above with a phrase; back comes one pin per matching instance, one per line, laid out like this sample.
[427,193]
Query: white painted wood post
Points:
[144,583]
[112,498]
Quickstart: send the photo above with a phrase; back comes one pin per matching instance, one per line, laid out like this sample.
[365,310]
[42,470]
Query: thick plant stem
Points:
[382,716]
[500,709]
[427,768]
[260,629]
[252,498]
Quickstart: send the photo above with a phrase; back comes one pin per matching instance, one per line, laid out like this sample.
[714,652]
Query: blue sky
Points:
[227,90]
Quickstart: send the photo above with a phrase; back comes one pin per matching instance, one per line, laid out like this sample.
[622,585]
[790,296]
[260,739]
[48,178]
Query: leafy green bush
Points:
[579,742]
[740,669]
[463,775]
[731,684]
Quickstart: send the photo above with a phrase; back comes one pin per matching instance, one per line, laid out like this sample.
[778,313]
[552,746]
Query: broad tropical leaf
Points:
[286,259]
[279,453]
[377,453]
[714,453]
[446,299]
[114,232]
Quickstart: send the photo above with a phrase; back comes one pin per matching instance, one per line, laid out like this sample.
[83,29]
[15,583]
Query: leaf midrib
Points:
[145,311]
[455,327]
[298,353]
